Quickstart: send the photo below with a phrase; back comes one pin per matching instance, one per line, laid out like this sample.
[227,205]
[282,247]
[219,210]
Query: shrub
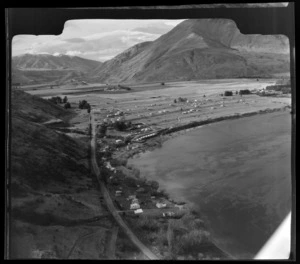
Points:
[180,99]
[121,125]
[147,223]
[55,99]
[84,105]
[124,87]
[162,83]
[65,99]
[228,93]
[154,185]
[67,105]
[193,239]
[102,129]
[246,91]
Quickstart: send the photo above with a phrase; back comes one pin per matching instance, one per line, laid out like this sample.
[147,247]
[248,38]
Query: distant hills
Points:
[39,68]
[194,49]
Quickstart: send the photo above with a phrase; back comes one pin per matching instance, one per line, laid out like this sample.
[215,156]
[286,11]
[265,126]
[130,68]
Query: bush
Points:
[55,100]
[148,224]
[194,238]
[154,185]
[228,93]
[246,91]
[67,105]
[65,99]
[124,87]
[102,130]
[162,83]
[180,99]
[84,105]
[121,125]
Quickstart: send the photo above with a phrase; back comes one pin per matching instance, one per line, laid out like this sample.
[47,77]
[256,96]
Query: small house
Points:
[134,206]
[138,211]
[161,205]
[134,200]
[118,193]
[130,197]
[169,214]
[180,207]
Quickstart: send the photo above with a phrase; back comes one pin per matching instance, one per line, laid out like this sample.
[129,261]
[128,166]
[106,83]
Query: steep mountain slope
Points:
[118,63]
[51,191]
[41,68]
[35,147]
[197,49]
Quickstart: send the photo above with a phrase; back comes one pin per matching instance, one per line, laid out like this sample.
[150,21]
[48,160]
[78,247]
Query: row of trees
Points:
[84,105]
[59,100]
[246,91]
[240,92]
[180,100]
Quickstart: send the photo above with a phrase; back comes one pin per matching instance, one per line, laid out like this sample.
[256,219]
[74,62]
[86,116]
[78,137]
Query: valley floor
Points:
[153,109]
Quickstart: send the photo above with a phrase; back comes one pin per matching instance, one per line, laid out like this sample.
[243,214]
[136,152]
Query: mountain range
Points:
[194,49]
[41,68]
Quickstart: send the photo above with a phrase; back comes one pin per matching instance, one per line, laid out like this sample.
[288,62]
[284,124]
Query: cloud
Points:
[73,53]
[75,40]
[93,39]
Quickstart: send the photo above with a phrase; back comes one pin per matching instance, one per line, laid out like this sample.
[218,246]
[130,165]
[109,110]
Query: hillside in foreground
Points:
[52,191]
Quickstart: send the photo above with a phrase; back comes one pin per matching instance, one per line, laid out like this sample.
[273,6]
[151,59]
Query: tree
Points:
[59,99]
[154,184]
[103,129]
[55,100]
[228,93]
[67,105]
[246,91]
[120,125]
[84,105]
[65,100]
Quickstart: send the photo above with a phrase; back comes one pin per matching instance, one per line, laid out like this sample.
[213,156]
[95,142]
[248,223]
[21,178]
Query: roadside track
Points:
[109,203]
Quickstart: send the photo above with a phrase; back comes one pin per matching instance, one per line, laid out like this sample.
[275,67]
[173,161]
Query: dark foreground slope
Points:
[199,49]
[51,188]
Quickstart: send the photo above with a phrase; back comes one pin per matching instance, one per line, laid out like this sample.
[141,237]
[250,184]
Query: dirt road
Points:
[146,251]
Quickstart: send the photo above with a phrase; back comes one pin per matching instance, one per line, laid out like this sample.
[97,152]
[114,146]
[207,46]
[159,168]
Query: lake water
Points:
[237,173]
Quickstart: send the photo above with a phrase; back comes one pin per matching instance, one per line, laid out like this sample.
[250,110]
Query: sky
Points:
[95,39]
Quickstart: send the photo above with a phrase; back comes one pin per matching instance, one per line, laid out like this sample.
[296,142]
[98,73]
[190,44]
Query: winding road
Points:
[109,203]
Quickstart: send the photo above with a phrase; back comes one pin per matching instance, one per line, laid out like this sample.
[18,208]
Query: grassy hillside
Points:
[199,49]
[51,191]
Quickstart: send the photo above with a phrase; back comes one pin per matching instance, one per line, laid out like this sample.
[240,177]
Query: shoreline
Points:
[178,130]
[156,142]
